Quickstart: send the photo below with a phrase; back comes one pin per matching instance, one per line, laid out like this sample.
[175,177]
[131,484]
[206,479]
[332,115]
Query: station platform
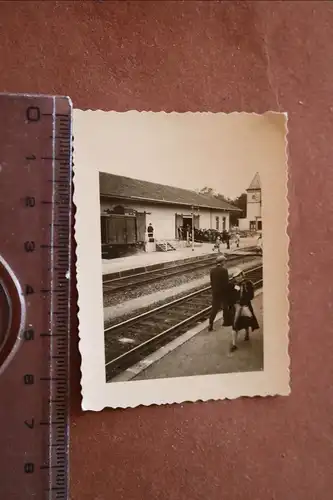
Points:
[143,261]
[130,306]
[200,352]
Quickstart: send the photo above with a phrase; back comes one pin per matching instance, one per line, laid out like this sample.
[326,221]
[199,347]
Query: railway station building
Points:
[135,211]
[253,220]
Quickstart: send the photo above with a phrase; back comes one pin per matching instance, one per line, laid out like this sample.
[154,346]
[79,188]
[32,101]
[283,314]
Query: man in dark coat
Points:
[219,280]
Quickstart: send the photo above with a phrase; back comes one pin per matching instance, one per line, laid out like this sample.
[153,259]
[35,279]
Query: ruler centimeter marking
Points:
[35,221]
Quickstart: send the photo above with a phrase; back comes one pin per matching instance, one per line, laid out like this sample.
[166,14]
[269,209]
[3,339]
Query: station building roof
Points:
[117,186]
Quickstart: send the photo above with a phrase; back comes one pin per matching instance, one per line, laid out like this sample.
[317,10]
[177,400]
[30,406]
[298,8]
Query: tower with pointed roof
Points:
[253,214]
[253,220]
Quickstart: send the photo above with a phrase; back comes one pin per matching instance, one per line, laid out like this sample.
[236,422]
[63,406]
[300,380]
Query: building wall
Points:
[253,210]
[208,219]
[243,224]
[163,221]
[253,204]
[163,217]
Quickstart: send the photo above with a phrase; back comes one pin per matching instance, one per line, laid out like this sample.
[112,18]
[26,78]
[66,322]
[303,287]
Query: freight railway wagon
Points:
[122,234]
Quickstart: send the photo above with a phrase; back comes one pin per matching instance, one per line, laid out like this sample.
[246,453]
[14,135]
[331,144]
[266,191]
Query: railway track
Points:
[139,279]
[131,340]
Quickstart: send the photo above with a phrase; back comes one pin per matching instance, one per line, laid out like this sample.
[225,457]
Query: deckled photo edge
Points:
[96,394]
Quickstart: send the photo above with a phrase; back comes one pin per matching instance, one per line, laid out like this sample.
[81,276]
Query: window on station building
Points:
[217,223]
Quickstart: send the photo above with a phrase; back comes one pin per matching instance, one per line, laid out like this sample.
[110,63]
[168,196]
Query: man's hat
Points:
[220,258]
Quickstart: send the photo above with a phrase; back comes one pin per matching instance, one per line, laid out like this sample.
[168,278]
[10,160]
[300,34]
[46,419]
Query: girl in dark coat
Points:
[240,314]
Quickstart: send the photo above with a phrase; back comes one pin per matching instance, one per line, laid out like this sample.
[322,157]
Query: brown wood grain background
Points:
[198,56]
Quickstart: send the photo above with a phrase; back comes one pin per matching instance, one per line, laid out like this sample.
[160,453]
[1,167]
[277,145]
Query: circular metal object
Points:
[12,314]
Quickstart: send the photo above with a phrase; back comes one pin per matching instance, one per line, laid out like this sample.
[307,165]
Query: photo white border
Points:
[274,379]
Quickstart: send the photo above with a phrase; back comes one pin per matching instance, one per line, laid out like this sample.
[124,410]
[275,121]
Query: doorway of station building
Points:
[187,222]
[187,228]
[184,226]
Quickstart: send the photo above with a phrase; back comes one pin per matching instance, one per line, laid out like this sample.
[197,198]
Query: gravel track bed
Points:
[171,282]
[116,297]
[142,310]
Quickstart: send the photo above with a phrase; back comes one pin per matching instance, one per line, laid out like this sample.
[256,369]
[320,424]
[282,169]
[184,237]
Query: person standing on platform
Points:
[150,231]
[237,239]
[241,294]
[217,245]
[226,238]
[259,244]
[219,280]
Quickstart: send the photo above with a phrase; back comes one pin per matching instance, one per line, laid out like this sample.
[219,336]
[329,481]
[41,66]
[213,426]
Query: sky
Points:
[188,150]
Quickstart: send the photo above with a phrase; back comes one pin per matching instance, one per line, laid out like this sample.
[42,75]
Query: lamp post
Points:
[193,215]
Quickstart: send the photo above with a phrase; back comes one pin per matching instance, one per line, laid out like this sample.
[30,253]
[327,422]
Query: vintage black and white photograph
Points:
[182,254]
[173,258]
